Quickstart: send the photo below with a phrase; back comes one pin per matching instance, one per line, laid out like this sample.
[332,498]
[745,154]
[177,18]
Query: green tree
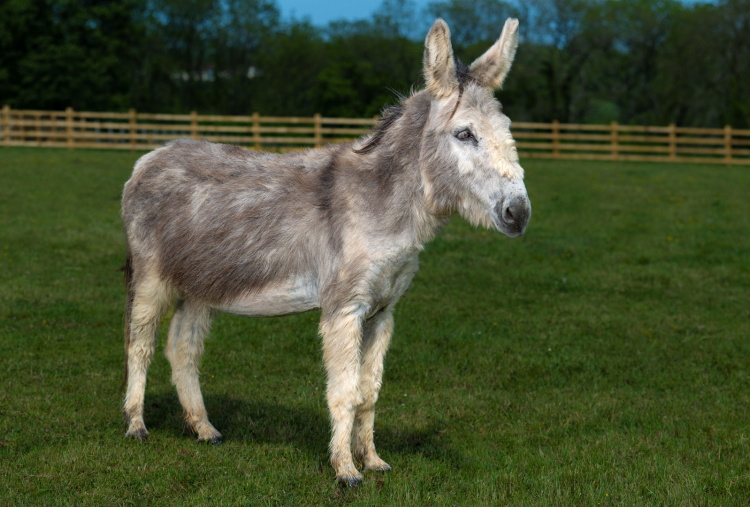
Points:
[366,66]
[635,61]
[59,53]
[287,72]
[734,58]
[197,53]
[689,75]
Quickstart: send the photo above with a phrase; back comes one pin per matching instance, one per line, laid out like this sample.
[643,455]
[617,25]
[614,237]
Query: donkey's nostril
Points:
[508,215]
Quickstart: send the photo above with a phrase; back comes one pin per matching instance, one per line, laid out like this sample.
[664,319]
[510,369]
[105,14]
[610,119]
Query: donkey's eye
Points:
[465,135]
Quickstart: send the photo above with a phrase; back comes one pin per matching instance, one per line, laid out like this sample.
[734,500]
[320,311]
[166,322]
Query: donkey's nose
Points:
[515,212]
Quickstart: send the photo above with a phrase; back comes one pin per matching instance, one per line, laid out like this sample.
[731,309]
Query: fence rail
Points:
[143,131]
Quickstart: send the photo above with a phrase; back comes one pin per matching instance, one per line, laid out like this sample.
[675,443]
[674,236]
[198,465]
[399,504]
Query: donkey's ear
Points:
[490,69]
[439,67]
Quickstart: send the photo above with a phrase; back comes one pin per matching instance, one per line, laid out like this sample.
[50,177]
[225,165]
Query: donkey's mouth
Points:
[511,216]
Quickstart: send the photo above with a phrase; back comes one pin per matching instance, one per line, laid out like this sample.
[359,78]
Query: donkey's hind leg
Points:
[377,337]
[189,327]
[151,298]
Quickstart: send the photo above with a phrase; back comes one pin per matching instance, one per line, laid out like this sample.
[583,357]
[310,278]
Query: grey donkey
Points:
[213,227]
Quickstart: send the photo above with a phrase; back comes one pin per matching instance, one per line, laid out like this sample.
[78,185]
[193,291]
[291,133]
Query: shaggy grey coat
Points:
[220,228]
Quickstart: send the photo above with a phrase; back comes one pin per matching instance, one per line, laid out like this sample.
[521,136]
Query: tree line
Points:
[588,61]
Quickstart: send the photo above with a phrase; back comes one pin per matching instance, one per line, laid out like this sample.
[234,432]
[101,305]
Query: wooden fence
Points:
[143,131]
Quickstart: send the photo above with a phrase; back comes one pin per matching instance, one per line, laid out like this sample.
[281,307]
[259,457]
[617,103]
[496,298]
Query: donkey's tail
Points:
[128,269]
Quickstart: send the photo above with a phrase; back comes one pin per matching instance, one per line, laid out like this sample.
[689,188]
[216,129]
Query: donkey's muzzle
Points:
[513,214]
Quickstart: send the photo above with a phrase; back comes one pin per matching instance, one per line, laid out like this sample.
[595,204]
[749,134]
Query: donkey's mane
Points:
[388,117]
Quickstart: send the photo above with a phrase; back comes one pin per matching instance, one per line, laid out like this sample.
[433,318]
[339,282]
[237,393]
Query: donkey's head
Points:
[469,158]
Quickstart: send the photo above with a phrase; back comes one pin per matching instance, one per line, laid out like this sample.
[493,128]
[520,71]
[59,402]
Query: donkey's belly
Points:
[298,294]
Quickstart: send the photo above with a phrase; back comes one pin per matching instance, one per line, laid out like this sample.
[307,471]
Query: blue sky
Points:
[321,12]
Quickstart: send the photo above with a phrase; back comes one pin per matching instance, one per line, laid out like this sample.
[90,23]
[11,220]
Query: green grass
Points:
[603,358]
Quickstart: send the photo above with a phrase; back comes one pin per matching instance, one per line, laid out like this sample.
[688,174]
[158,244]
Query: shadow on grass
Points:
[304,427]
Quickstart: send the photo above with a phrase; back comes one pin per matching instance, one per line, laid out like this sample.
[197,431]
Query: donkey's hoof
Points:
[382,467]
[207,433]
[351,482]
[372,462]
[346,473]
[215,440]
[139,434]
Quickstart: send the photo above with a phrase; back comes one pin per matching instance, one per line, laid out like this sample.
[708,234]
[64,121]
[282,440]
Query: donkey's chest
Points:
[390,278]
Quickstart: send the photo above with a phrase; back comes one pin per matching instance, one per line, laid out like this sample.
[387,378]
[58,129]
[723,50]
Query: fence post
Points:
[614,134]
[672,142]
[133,119]
[6,125]
[53,126]
[555,139]
[38,127]
[318,131]
[69,127]
[727,144]
[256,130]
[194,125]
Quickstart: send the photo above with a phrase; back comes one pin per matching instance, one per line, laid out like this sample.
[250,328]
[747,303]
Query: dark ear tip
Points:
[440,26]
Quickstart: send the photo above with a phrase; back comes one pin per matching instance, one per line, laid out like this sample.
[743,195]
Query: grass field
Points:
[603,358]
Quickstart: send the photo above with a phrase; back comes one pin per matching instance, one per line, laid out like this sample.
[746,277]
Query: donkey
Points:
[212,227]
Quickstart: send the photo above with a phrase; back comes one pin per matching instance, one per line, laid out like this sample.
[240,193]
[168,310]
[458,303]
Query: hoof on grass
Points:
[350,482]
[140,434]
[212,440]
[380,467]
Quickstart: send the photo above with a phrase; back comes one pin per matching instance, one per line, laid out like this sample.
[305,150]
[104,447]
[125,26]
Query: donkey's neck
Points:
[394,164]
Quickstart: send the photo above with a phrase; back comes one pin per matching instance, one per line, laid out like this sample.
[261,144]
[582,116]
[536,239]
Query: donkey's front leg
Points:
[342,337]
[377,337]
